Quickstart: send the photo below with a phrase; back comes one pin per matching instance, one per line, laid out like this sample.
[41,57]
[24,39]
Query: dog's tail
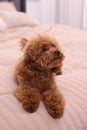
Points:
[23,43]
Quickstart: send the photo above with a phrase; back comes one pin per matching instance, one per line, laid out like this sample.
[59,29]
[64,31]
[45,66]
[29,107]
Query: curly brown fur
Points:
[35,73]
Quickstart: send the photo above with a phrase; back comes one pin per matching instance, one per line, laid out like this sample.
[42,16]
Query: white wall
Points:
[57,11]
[85,15]
[70,12]
[43,10]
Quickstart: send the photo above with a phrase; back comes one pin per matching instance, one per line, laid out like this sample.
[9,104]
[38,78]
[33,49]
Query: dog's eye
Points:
[44,49]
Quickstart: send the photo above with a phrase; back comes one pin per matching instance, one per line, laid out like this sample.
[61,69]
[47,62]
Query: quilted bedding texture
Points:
[73,82]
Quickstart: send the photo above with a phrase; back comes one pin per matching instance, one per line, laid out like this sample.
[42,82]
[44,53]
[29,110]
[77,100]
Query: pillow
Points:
[7,6]
[16,19]
[3,25]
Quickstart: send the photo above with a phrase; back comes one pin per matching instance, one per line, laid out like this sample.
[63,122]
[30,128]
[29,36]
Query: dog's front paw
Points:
[56,112]
[54,103]
[30,106]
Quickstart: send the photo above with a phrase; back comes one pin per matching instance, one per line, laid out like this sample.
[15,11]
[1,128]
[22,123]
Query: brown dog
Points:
[35,74]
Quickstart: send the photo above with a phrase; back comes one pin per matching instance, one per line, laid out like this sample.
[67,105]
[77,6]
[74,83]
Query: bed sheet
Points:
[73,82]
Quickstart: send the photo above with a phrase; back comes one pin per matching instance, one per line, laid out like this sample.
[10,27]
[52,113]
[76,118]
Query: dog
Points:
[35,74]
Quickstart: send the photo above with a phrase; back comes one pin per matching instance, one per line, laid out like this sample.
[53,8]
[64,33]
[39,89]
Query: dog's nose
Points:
[57,53]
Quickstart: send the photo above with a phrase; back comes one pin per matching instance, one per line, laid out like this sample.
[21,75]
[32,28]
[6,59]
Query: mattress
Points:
[73,82]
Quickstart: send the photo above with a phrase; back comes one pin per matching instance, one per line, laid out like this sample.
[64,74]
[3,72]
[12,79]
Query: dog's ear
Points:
[23,43]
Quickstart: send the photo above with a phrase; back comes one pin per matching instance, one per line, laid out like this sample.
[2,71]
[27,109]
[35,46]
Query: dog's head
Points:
[43,51]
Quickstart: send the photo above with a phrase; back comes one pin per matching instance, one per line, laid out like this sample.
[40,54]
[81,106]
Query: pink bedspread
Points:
[73,82]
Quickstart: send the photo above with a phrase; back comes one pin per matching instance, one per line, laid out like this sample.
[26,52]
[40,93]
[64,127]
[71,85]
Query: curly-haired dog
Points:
[35,72]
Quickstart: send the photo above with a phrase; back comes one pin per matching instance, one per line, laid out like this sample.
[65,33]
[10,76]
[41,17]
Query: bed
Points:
[73,81]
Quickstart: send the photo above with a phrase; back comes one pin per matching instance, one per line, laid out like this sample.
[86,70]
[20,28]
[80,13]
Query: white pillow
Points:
[16,19]
[7,6]
[3,25]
